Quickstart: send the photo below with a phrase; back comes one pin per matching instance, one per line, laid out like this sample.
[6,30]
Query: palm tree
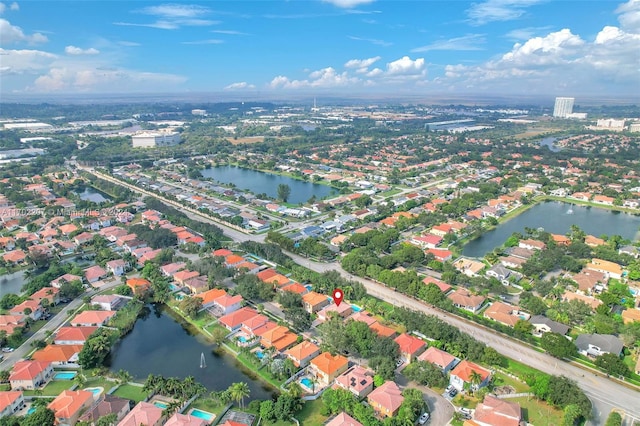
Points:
[172,407]
[123,376]
[295,390]
[239,391]
[80,380]
[475,378]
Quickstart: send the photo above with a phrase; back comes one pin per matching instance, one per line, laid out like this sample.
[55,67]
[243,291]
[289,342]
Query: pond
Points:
[557,217]
[162,343]
[261,182]
[12,283]
[548,142]
[93,195]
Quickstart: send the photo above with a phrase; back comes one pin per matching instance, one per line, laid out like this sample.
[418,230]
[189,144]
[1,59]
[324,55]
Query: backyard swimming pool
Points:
[356,308]
[67,375]
[160,404]
[307,382]
[202,414]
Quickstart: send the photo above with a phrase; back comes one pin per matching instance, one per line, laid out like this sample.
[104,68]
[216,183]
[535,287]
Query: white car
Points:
[424,418]
[399,363]
[7,349]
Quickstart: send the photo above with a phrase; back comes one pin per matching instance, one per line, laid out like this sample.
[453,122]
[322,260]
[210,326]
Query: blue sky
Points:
[342,47]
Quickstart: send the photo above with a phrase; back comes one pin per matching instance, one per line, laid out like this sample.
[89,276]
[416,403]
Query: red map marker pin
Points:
[338,295]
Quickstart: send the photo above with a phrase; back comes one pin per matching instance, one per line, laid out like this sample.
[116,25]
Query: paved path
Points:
[604,393]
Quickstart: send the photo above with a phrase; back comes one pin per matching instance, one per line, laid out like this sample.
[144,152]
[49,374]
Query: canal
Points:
[162,343]
[261,182]
[557,217]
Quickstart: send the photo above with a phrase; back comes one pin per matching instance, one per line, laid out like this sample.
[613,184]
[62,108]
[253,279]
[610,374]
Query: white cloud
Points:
[98,80]
[73,50]
[372,41]
[322,79]
[243,85]
[406,66]
[228,32]
[526,33]
[498,10]
[361,63]
[208,41]
[25,61]
[554,48]
[11,34]
[348,4]
[629,15]
[14,6]
[173,16]
[467,42]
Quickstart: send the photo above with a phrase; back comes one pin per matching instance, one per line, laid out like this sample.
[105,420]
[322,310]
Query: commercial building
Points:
[155,139]
[563,107]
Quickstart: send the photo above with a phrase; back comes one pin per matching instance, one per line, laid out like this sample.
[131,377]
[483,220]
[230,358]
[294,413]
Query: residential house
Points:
[505,314]
[469,267]
[108,404]
[73,335]
[501,273]
[512,261]
[410,346]
[302,353]
[94,274]
[343,419]
[590,281]
[630,250]
[279,337]
[592,241]
[66,278]
[117,267]
[382,330]
[444,287]
[630,315]
[357,380]
[498,412]
[172,268]
[441,255]
[58,355]
[182,276]
[441,359]
[464,374]
[50,294]
[234,320]
[209,297]
[386,399]
[612,269]
[227,304]
[30,374]
[461,298]
[313,301]
[426,241]
[144,413]
[594,345]
[9,323]
[542,324]
[10,403]
[326,367]
[185,420]
[68,405]
[568,296]
[139,286]
[197,284]
[343,310]
[30,308]
[109,302]
[14,257]
[92,318]
[532,244]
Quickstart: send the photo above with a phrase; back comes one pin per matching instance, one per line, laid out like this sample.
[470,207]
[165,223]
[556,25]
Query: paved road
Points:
[51,325]
[605,394]
[441,409]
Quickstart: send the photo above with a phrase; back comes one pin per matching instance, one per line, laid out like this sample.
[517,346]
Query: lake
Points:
[557,217]
[261,182]
[548,142]
[12,283]
[162,343]
[93,195]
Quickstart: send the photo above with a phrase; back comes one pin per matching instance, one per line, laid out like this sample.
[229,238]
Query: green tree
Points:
[108,420]
[191,306]
[613,365]
[284,191]
[614,419]
[239,391]
[41,417]
[558,346]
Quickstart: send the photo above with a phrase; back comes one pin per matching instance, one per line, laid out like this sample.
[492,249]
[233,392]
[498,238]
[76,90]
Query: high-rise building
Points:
[563,107]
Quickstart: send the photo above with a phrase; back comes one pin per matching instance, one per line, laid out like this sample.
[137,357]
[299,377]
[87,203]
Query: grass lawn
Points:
[504,380]
[53,388]
[465,401]
[538,412]
[99,382]
[311,413]
[519,369]
[131,392]
[263,373]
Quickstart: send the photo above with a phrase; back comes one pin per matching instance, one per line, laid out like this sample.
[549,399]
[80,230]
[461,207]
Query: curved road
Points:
[604,393]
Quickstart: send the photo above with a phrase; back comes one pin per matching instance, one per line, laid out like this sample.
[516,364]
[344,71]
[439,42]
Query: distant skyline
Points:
[285,49]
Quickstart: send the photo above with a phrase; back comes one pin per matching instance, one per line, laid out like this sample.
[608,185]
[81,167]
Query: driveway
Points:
[441,409]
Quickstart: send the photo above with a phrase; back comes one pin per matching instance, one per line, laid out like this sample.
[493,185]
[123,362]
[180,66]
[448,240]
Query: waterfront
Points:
[12,283]
[557,217]
[162,343]
[93,195]
[260,182]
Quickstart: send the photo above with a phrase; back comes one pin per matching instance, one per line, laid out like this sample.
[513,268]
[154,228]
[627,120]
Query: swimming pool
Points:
[307,382]
[160,404]
[356,308]
[204,415]
[31,410]
[94,391]
[242,339]
[67,375]
[259,354]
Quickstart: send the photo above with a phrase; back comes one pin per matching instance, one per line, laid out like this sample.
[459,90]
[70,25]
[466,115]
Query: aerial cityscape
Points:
[320,213]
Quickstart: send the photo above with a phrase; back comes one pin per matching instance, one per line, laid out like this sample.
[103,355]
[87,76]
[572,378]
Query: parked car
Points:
[424,418]
[399,363]
[453,392]
[7,349]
